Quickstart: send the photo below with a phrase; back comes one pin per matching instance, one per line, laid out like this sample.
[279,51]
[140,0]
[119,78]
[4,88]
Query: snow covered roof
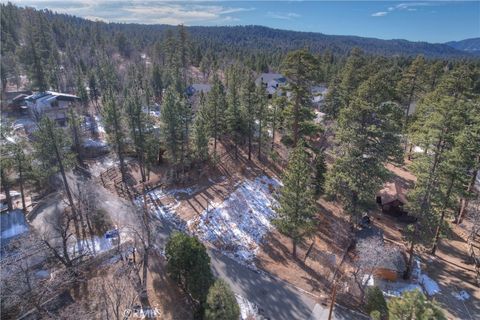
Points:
[394,261]
[51,94]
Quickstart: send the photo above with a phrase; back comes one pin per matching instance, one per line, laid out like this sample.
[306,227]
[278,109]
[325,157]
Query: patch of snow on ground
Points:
[97,244]
[248,310]
[90,143]
[156,202]
[98,121]
[237,225]
[431,287]
[462,295]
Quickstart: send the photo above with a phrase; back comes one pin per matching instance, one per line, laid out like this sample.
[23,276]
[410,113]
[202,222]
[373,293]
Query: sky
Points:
[431,21]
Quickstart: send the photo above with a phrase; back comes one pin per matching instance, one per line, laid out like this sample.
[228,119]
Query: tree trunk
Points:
[442,217]
[408,271]
[294,248]
[69,194]
[260,139]
[273,125]
[22,190]
[6,189]
[249,140]
[407,109]
[215,129]
[464,200]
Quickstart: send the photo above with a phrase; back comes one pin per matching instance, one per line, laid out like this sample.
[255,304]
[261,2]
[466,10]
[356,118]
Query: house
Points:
[273,82]
[318,95]
[392,198]
[196,88]
[12,99]
[55,105]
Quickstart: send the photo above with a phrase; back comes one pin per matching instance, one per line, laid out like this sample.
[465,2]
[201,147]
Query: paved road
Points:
[277,300]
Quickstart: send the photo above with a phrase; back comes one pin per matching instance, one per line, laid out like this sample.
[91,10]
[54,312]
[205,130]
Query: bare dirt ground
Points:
[164,296]
[317,258]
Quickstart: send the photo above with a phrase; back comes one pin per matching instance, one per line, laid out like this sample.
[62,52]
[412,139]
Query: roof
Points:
[51,94]
[20,97]
[368,232]
[199,87]
[267,77]
[394,261]
[392,191]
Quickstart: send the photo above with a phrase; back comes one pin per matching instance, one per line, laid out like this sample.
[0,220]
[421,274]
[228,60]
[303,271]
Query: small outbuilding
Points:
[392,266]
[392,198]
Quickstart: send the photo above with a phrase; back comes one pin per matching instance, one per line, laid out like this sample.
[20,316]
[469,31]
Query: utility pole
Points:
[332,303]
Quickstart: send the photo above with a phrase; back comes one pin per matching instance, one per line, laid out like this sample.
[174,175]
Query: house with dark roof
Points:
[196,88]
[273,83]
[392,197]
[54,105]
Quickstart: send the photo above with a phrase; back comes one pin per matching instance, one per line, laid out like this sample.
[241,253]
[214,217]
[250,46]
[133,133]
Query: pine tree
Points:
[261,114]
[413,305]
[114,119]
[320,172]
[333,100]
[233,115]
[352,76]
[368,136]
[301,69]
[221,303]
[297,205]
[137,122]
[200,132]
[156,82]
[375,301]
[188,264]
[82,91]
[278,105]
[171,124]
[411,86]
[249,103]
[216,105]
[92,84]
[441,118]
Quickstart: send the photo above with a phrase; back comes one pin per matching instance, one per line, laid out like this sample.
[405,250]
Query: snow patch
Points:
[248,310]
[14,230]
[237,225]
[99,124]
[90,143]
[431,287]
[462,295]
[157,202]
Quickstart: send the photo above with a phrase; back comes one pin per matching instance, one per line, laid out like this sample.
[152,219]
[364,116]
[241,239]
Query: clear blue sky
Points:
[432,21]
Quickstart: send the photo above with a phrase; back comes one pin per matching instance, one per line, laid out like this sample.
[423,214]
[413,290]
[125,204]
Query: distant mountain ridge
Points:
[257,42]
[471,45]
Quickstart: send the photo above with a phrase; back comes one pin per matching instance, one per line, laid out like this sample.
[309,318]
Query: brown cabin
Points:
[392,198]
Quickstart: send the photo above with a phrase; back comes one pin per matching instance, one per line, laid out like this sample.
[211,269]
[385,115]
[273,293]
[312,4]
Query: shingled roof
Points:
[392,191]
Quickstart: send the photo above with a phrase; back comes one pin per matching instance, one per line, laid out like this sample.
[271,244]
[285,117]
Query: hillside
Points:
[237,41]
[263,37]
[468,45]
